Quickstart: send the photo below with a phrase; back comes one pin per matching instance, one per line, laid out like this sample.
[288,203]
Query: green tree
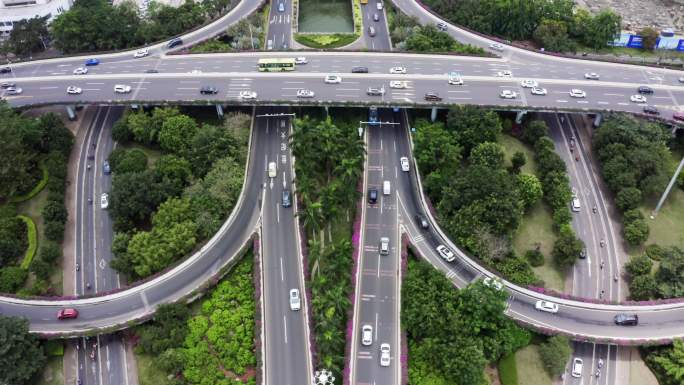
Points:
[15,159]
[167,330]
[21,351]
[672,362]
[553,36]
[602,29]
[649,38]
[670,274]
[635,227]
[13,239]
[533,131]
[471,126]
[628,198]
[639,265]
[435,148]
[488,154]
[28,36]
[535,257]
[123,160]
[176,133]
[555,353]
[12,278]
[642,287]
[518,160]
[530,190]
[50,252]
[41,269]
[567,247]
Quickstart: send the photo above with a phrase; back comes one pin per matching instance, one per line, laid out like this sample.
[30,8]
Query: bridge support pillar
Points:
[433,114]
[519,116]
[327,112]
[667,190]
[219,111]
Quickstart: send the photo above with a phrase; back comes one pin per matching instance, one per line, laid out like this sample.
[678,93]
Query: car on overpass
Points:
[208,90]
[442,26]
[508,94]
[73,90]
[432,96]
[528,83]
[5,70]
[497,47]
[333,79]
[141,53]
[398,70]
[651,110]
[455,79]
[92,62]
[304,93]
[80,71]
[67,313]
[592,76]
[538,91]
[577,93]
[8,85]
[626,319]
[546,306]
[645,90]
[504,74]
[122,89]
[301,60]
[638,98]
[247,95]
[375,91]
[398,84]
[13,91]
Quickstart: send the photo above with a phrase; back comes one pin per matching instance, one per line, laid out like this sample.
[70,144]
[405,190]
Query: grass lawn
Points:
[52,372]
[148,373]
[667,229]
[512,145]
[536,228]
[152,154]
[530,368]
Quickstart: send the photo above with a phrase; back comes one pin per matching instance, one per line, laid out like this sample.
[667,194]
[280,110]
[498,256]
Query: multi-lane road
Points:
[286,349]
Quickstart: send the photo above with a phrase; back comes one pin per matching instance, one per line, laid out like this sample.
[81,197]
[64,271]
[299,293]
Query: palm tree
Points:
[312,217]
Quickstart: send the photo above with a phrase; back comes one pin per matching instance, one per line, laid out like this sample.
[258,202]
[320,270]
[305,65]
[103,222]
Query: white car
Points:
[141,53]
[80,71]
[455,79]
[272,170]
[73,90]
[333,79]
[13,91]
[196,72]
[546,306]
[295,301]
[247,95]
[404,163]
[398,70]
[398,84]
[366,335]
[301,60]
[104,200]
[527,83]
[122,89]
[445,253]
[538,91]
[591,76]
[508,94]
[493,283]
[577,365]
[497,47]
[575,93]
[379,5]
[681,79]
[504,74]
[638,98]
[384,351]
[305,93]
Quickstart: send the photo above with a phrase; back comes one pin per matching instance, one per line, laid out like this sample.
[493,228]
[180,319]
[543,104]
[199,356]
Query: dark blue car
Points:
[92,62]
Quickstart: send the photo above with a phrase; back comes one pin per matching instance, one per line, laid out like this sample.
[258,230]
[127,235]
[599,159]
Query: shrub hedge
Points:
[32,242]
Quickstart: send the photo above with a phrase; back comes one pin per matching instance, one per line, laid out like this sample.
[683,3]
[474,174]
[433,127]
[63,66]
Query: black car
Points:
[433,97]
[5,70]
[7,85]
[651,110]
[359,70]
[376,17]
[645,90]
[174,42]
[105,168]
[208,90]
[287,201]
[626,319]
[372,195]
[422,221]
[152,71]
[583,253]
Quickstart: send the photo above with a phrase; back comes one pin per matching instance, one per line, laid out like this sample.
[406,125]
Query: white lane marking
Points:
[282,271]
[285,328]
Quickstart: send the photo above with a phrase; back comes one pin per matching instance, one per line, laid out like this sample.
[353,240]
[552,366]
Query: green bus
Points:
[276,64]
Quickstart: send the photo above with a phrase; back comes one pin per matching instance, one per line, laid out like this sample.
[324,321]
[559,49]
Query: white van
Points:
[272,170]
[386,189]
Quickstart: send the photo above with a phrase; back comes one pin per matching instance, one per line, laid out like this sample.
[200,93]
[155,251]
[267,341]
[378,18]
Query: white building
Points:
[12,11]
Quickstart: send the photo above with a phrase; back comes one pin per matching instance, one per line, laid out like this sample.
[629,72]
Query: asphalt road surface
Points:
[380,41]
[287,358]
[279,25]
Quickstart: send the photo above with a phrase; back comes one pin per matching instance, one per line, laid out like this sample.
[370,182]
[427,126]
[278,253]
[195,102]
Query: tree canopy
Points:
[19,350]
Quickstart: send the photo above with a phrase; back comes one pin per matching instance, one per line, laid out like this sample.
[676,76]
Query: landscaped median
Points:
[333,40]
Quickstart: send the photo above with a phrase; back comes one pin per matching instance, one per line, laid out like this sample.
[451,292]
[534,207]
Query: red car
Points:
[67,313]
[678,116]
